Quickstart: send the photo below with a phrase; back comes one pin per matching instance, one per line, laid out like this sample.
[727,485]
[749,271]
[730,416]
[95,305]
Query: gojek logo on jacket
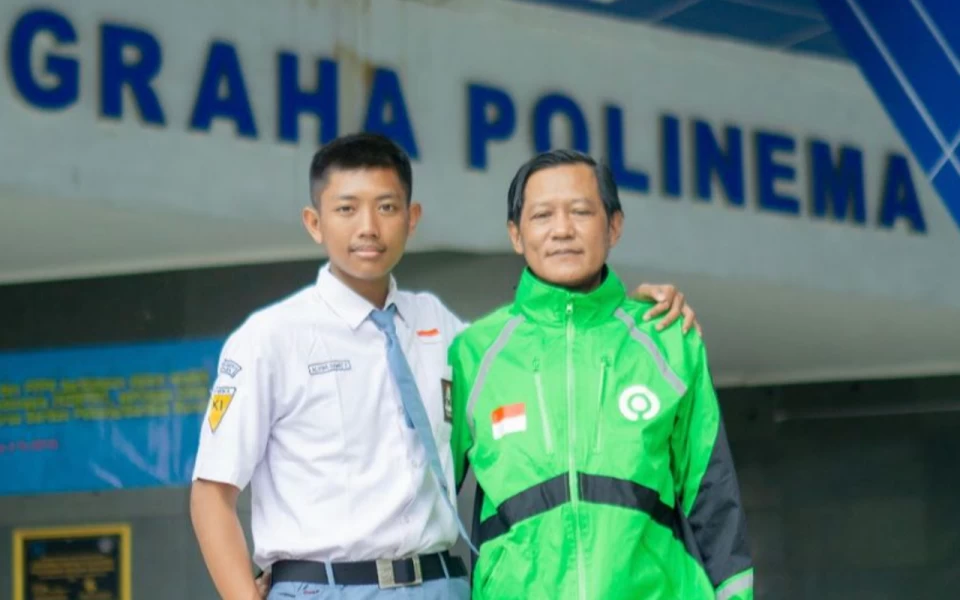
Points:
[638,402]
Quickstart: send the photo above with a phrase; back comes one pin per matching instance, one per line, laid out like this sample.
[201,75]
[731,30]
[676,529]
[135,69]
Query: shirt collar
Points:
[349,305]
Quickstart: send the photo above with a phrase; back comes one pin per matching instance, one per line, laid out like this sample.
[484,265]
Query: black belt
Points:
[385,573]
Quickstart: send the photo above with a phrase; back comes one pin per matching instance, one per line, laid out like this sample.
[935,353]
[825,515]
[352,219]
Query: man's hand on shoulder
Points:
[670,303]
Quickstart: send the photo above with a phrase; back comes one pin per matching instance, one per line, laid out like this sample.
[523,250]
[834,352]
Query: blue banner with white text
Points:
[101,418]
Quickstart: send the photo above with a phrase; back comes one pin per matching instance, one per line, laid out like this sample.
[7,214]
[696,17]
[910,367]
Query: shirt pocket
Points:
[315,421]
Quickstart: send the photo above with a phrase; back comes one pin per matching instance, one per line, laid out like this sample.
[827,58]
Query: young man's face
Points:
[564,233]
[363,220]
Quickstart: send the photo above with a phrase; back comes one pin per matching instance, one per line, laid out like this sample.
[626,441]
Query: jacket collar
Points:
[542,302]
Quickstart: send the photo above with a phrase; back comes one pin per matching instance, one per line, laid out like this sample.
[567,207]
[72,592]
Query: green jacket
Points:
[602,465]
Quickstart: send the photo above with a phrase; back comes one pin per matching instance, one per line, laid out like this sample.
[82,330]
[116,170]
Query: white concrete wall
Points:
[77,161]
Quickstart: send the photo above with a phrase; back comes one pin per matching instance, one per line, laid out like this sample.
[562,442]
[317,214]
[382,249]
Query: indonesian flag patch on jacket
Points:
[511,418]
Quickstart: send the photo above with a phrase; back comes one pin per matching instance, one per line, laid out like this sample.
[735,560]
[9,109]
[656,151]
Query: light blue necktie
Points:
[413,405]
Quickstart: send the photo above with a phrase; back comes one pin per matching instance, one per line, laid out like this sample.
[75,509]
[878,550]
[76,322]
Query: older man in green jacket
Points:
[596,440]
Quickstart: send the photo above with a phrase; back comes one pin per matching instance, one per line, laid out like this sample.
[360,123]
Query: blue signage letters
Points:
[627,178]
[64,69]
[672,157]
[486,127]
[138,75]
[758,167]
[769,171]
[558,104]
[837,186]
[387,111]
[723,159]
[321,101]
[223,67]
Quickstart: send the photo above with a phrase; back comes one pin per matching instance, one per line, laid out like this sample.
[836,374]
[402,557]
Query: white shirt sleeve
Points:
[236,426]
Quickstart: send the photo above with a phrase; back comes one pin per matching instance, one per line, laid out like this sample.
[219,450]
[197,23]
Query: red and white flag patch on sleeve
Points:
[511,418]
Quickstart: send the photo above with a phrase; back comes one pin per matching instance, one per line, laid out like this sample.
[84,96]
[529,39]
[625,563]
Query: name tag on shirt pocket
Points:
[329,366]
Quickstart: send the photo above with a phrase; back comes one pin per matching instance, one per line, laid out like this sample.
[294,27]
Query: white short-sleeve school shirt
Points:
[304,410]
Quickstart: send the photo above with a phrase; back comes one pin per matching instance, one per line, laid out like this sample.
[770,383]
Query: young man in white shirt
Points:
[329,405]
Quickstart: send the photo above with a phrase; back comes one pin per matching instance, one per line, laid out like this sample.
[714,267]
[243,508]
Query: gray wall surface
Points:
[850,488]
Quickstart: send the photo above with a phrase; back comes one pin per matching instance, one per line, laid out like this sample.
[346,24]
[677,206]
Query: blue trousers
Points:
[437,589]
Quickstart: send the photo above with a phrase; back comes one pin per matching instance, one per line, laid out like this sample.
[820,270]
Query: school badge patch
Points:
[219,403]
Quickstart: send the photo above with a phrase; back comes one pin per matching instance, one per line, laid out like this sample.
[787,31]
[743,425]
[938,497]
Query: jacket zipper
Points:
[600,394]
[544,419]
[571,448]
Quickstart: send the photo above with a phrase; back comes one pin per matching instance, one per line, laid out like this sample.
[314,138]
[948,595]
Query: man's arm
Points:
[708,492]
[233,440]
[213,511]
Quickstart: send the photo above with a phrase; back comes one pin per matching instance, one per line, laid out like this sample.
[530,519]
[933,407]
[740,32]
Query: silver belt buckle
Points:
[386,578]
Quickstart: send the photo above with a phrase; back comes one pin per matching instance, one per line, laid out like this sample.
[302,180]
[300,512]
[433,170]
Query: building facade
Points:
[155,161]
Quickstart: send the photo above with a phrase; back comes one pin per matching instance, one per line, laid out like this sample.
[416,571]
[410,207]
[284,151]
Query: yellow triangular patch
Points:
[219,403]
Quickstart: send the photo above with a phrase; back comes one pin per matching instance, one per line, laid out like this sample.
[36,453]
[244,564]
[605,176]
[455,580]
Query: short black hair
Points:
[555,158]
[361,151]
